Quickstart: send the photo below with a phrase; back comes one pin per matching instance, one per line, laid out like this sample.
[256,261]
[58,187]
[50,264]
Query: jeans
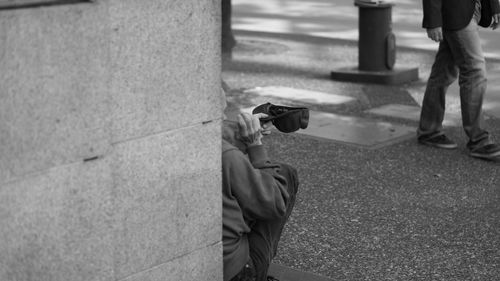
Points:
[460,53]
[264,237]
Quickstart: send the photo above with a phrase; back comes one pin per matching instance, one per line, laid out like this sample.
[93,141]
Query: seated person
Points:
[258,197]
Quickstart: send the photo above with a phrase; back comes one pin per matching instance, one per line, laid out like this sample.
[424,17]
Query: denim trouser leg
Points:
[265,235]
[469,57]
[460,49]
[443,73]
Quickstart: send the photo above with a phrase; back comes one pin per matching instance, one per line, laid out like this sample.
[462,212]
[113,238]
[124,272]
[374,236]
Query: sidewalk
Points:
[371,206]
[339,20]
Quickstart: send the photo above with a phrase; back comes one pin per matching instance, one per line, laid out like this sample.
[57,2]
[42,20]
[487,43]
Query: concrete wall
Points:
[110,141]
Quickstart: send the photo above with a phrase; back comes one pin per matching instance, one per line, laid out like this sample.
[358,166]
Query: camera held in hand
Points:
[286,119]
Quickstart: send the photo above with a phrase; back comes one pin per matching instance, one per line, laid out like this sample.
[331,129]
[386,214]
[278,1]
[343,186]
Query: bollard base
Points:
[395,76]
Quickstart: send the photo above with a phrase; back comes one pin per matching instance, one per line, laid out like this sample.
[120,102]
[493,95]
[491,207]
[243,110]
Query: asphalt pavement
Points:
[372,204]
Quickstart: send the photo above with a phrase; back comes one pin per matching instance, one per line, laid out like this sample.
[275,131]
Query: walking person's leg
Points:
[466,47]
[443,73]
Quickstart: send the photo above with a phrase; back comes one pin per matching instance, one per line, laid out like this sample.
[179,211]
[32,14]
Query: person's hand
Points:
[250,131]
[266,127]
[496,21]
[436,34]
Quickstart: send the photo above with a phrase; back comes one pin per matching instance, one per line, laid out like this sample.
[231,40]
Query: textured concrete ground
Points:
[401,211]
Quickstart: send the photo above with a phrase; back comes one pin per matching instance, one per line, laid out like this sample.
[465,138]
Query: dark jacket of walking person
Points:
[454,14]
[258,197]
[454,24]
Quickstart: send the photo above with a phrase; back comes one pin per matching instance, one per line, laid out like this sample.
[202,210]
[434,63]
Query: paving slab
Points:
[351,130]
[296,94]
[412,113]
[367,133]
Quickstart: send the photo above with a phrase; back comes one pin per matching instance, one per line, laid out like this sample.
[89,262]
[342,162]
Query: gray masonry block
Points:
[167,195]
[54,100]
[57,225]
[201,264]
[148,202]
[110,141]
[166,76]
[76,78]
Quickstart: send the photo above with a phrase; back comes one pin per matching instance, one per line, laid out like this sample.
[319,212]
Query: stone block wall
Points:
[110,120]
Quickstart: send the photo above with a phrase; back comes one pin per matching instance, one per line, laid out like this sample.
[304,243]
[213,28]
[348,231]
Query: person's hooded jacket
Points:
[252,189]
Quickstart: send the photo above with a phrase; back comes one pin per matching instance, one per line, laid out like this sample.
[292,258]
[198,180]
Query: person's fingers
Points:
[250,130]
[433,37]
[430,34]
[261,115]
[435,34]
[249,123]
[496,21]
[243,126]
[255,124]
[266,126]
[265,132]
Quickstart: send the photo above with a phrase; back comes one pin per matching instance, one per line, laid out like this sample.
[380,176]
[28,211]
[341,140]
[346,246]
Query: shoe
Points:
[271,278]
[284,118]
[440,141]
[489,151]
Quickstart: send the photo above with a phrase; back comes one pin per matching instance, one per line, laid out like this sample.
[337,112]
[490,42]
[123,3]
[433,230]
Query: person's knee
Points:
[473,77]
[261,262]
[292,177]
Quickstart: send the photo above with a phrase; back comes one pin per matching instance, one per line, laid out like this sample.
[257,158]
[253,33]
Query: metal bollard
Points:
[377,43]
[376,48]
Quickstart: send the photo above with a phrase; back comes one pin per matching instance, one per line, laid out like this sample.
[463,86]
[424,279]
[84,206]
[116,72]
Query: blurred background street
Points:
[339,20]
[372,203]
